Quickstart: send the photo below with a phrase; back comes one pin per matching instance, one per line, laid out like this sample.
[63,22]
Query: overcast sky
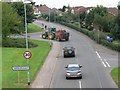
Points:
[87,3]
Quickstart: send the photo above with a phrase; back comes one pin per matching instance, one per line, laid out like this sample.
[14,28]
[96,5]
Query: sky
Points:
[71,3]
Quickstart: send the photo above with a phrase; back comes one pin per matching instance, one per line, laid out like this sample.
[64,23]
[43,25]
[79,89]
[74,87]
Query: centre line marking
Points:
[98,54]
[101,59]
[104,64]
[80,84]
[107,63]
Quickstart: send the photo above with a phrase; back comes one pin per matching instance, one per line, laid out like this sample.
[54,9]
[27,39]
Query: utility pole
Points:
[25,2]
[118,7]
[49,14]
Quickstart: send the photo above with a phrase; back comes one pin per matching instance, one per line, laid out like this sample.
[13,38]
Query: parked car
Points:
[73,71]
[69,52]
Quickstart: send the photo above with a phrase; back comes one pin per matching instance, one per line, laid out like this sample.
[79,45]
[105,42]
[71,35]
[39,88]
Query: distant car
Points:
[73,71]
[69,52]
[109,39]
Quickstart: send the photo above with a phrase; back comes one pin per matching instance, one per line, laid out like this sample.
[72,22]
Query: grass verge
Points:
[14,57]
[115,75]
[34,28]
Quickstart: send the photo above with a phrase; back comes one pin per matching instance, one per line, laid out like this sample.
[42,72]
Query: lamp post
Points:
[49,14]
[119,7]
[25,2]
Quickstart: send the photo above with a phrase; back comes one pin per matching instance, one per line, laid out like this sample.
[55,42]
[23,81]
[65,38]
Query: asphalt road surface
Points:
[97,62]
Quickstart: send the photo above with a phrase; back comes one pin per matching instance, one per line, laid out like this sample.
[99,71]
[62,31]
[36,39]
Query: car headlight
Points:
[68,73]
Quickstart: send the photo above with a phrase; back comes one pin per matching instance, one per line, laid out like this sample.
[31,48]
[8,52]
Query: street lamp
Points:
[118,7]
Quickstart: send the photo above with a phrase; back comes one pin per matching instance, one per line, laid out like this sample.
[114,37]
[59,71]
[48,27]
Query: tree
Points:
[63,9]
[94,14]
[103,23]
[11,21]
[115,31]
[20,10]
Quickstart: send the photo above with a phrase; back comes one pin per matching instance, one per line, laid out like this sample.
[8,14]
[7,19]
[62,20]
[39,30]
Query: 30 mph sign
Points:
[27,54]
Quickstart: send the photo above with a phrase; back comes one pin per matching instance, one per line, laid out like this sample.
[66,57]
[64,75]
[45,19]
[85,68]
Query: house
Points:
[79,9]
[36,10]
[112,11]
[44,9]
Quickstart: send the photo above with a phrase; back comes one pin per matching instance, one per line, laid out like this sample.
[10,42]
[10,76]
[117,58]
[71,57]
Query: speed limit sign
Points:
[27,54]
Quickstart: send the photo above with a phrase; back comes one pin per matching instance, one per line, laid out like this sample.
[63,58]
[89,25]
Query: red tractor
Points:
[62,35]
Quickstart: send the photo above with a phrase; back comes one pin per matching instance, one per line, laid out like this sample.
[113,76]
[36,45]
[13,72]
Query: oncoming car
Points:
[69,52]
[73,71]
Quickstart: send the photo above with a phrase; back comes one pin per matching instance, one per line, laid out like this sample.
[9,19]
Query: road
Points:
[97,62]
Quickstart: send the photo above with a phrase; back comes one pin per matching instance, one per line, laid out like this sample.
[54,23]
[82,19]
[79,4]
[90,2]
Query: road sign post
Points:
[20,68]
[27,55]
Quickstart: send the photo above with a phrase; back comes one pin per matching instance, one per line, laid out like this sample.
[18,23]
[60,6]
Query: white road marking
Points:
[104,64]
[80,84]
[98,54]
[101,59]
[107,63]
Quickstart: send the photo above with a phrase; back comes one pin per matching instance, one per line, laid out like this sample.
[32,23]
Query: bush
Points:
[94,35]
[19,43]
[111,45]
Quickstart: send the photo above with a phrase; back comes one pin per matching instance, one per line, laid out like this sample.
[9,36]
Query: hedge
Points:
[19,43]
[94,35]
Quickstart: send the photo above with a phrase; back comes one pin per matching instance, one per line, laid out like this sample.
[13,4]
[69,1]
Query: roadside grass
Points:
[14,57]
[34,28]
[115,75]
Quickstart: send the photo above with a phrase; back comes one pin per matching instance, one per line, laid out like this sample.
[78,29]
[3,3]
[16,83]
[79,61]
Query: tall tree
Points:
[11,21]
[19,6]
[115,31]
[94,14]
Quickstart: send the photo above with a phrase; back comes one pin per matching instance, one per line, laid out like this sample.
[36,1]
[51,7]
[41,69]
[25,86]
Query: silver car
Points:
[73,71]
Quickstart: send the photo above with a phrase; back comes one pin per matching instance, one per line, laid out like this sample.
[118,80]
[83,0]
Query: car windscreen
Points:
[73,68]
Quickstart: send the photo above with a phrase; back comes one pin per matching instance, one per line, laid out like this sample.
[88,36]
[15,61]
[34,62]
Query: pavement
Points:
[44,76]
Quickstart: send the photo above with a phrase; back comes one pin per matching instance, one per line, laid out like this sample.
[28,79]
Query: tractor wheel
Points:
[44,36]
[59,39]
[51,36]
[67,39]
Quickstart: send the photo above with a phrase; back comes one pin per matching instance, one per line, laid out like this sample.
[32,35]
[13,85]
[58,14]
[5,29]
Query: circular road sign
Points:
[27,54]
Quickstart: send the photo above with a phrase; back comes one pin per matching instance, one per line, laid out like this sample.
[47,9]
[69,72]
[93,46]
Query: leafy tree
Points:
[115,31]
[95,15]
[103,23]
[63,9]
[20,10]
[11,21]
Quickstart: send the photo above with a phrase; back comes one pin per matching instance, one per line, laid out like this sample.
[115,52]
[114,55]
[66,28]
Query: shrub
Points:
[19,43]
[111,45]
[94,35]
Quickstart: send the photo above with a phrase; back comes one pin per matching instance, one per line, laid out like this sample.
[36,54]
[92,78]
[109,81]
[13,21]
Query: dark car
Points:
[73,71]
[69,52]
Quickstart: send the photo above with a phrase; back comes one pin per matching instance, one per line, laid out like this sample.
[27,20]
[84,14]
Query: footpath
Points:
[44,76]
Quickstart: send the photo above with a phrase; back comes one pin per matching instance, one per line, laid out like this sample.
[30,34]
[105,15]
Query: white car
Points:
[73,71]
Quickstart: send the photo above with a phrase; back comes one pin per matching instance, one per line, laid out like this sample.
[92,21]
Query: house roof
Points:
[44,9]
[113,11]
[79,9]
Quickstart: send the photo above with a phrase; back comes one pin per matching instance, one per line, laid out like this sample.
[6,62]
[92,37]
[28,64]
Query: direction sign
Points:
[20,68]
[27,54]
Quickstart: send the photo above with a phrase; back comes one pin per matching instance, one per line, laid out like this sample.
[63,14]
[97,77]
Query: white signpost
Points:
[20,68]
[27,55]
